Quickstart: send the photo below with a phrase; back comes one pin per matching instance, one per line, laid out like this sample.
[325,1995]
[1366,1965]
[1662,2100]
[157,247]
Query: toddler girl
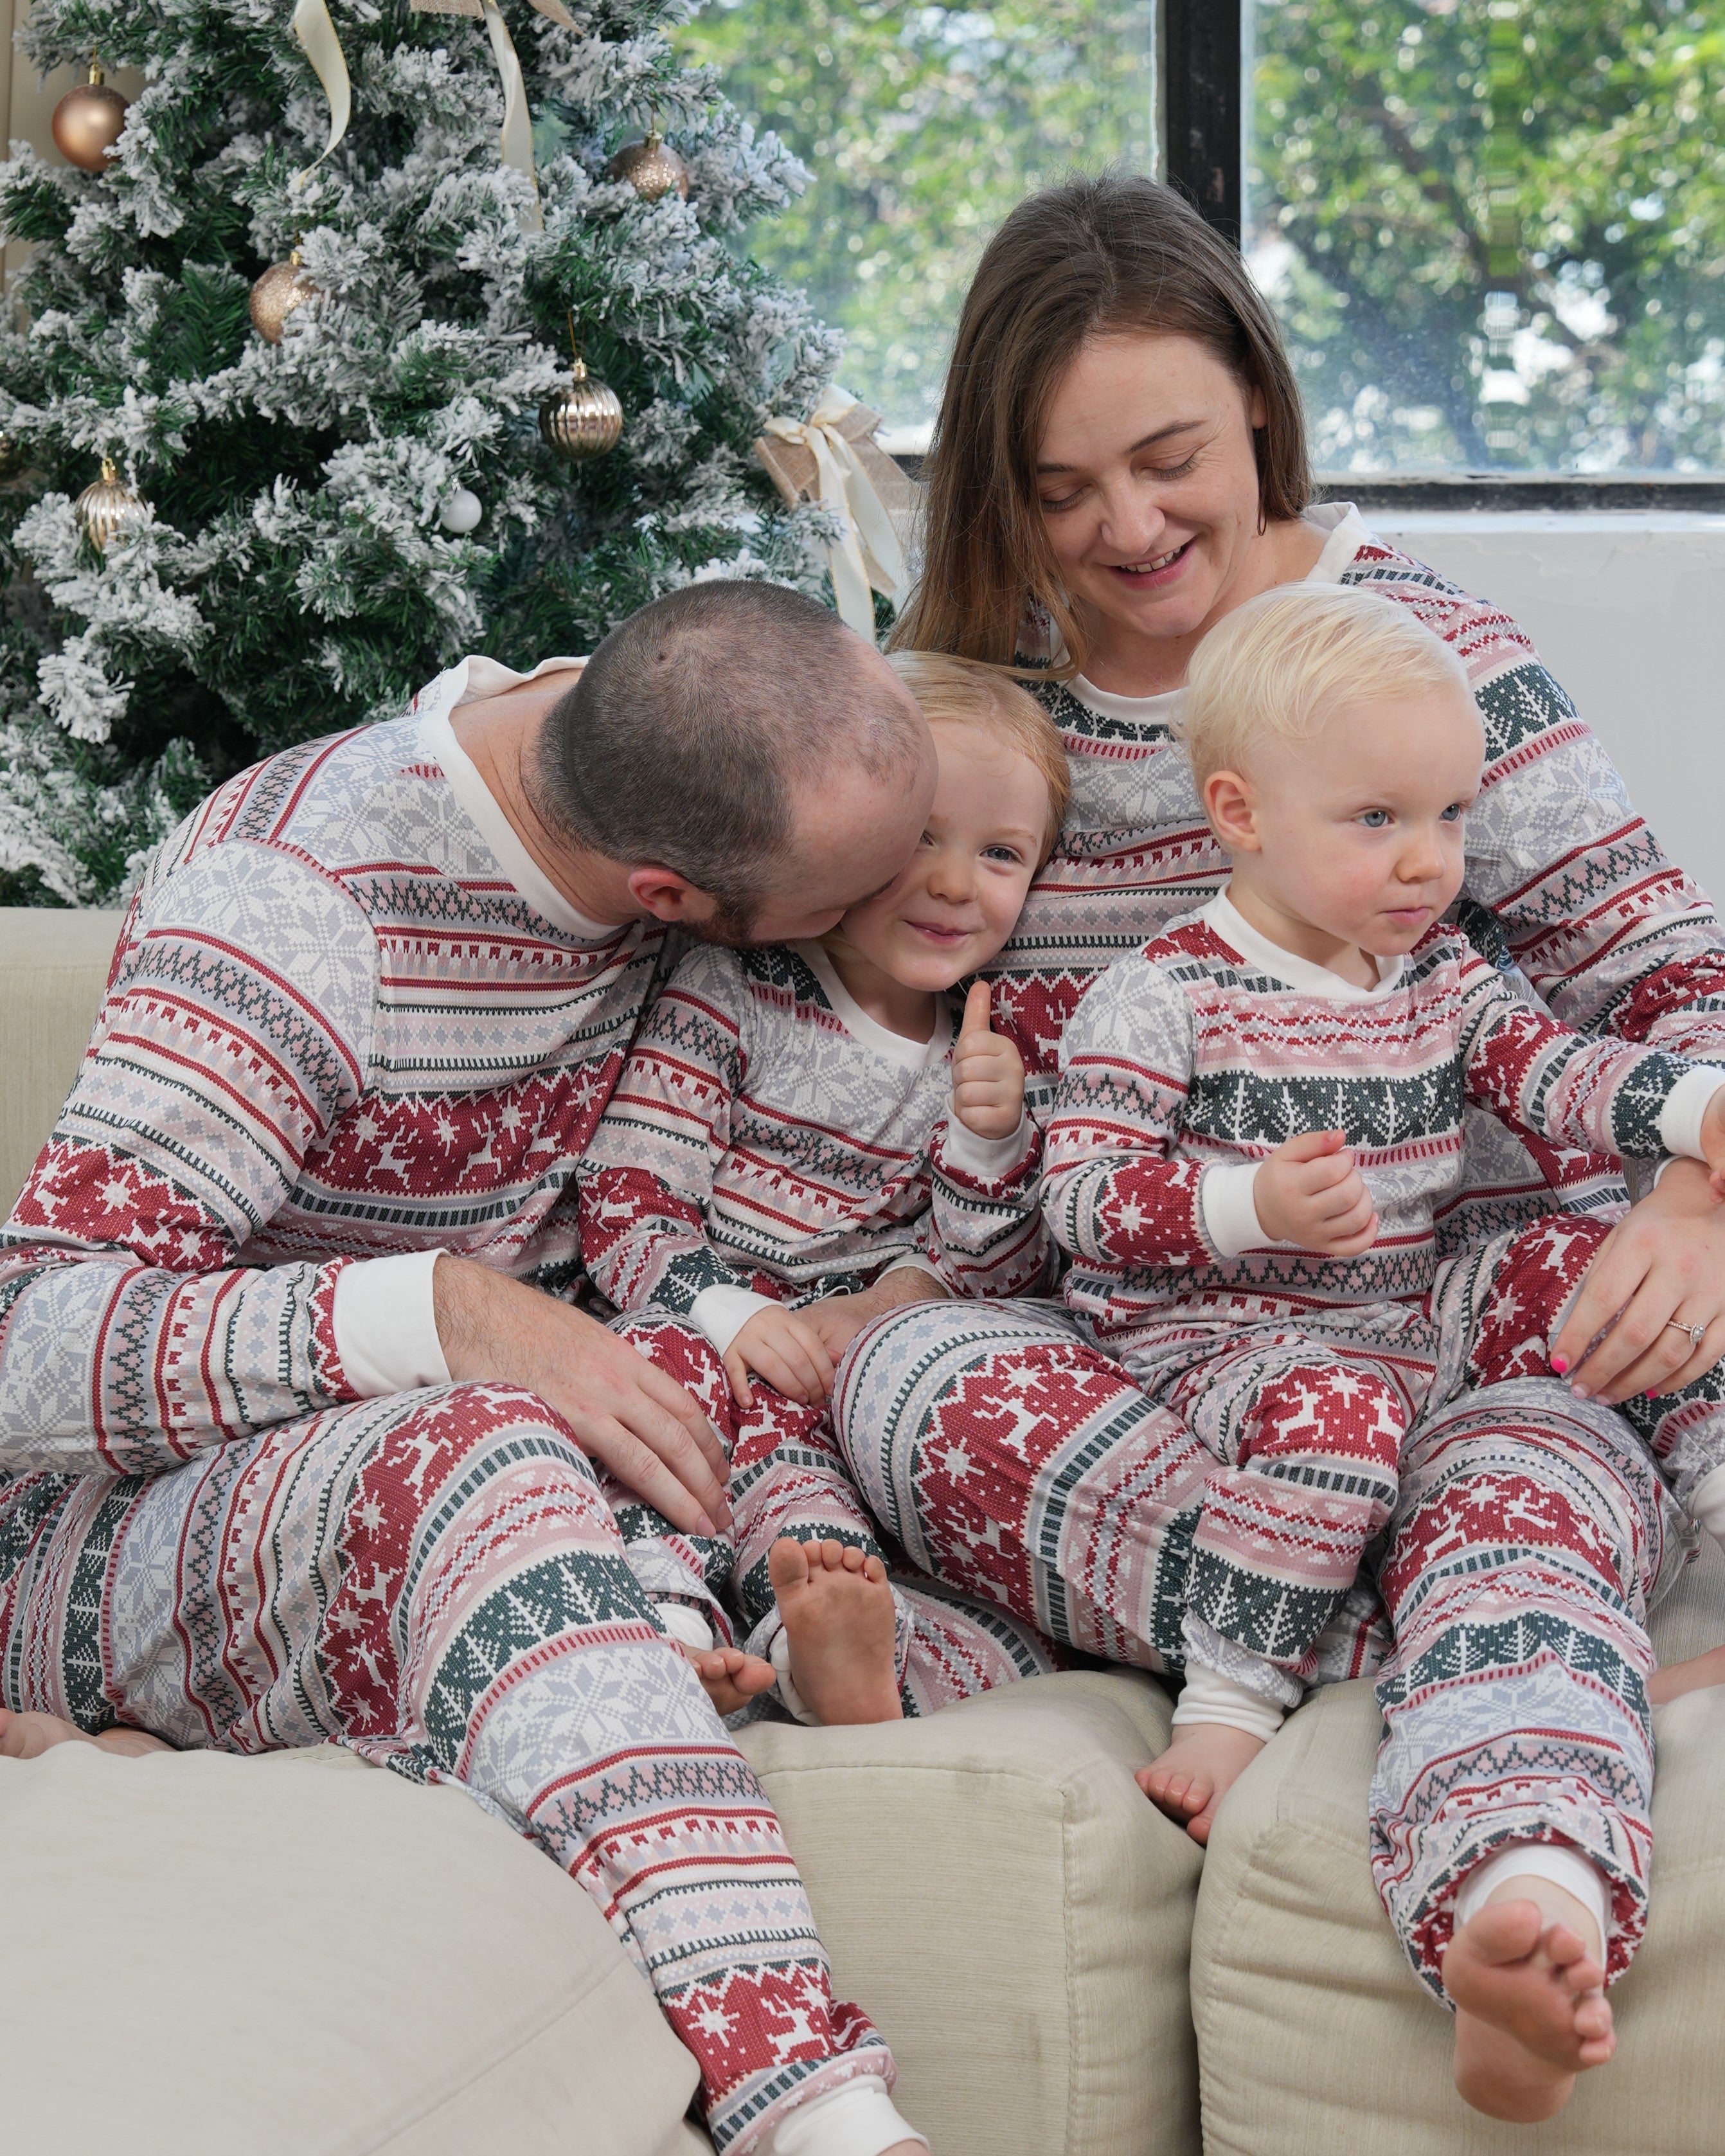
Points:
[795,1122]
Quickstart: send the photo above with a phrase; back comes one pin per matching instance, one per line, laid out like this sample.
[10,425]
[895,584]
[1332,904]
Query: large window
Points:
[1494,229]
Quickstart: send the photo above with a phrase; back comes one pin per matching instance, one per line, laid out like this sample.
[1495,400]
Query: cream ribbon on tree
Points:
[516,142]
[316,33]
[868,556]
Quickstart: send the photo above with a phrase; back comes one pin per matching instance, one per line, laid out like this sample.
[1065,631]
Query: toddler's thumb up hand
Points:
[978,1007]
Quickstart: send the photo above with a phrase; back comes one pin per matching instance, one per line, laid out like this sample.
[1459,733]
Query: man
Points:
[300,1444]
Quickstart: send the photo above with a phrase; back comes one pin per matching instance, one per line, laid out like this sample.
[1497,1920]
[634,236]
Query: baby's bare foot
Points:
[839,1617]
[1530,2009]
[1190,1779]
[27,1736]
[1699,1670]
[730,1678]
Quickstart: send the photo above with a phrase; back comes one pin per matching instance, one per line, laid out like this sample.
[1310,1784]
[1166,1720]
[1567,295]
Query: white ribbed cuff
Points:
[1230,1218]
[1680,1119]
[1554,1862]
[859,2119]
[1209,1696]
[779,1655]
[687,1626]
[1707,1504]
[386,1325]
[986,1160]
[719,1313]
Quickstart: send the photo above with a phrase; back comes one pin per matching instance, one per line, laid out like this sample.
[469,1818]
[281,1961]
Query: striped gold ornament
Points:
[584,419]
[108,509]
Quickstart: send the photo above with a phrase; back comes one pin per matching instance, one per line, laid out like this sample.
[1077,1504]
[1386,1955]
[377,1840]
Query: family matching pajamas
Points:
[769,1142]
[350,1027]
[1186,1066]
[1012,1457]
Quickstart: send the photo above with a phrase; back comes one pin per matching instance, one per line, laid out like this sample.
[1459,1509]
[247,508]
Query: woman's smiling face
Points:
[1148,484]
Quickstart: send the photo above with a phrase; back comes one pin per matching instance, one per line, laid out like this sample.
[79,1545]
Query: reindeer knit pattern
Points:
[335,1030]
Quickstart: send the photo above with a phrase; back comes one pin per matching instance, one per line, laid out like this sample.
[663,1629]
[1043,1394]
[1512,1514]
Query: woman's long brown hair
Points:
[1118,253]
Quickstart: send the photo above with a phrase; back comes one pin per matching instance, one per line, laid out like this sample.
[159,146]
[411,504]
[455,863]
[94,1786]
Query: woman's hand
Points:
[1661,1268]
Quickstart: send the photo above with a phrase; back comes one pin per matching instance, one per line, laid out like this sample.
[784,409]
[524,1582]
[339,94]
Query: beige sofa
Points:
[304,1955]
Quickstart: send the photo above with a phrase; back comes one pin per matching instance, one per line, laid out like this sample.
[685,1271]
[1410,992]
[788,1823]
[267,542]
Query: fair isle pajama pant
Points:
[1528,1533]
[787,1478]
[1307,1415]
[436,1580]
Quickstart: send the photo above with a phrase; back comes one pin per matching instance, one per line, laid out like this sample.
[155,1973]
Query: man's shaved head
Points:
[691,731]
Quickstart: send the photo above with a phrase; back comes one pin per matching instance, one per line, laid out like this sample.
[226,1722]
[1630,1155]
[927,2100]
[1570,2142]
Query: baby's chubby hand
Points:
[987,1072]
[785,1349]
[1309,1192]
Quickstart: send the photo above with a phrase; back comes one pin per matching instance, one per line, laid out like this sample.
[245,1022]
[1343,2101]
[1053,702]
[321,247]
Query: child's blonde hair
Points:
[1283,663]
[966,692]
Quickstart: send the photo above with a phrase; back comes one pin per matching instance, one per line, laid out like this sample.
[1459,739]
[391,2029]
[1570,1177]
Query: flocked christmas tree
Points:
[294,569]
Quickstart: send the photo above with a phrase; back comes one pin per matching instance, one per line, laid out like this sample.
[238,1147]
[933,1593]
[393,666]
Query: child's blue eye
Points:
[1455,812]
[1374,819]
[1003,853]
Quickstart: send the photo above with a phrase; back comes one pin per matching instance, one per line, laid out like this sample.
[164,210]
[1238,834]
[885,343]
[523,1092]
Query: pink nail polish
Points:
[1652,1392]
[1560,1364]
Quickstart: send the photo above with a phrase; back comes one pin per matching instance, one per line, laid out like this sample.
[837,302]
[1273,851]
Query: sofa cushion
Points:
[303,1954]
[307,1955]
[994,1888]
[53,966]
[1316,2039]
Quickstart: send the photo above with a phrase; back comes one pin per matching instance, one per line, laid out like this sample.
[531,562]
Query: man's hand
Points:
[987,1072]
[1662,1267]
[838,1318]
[1309,1192]
[783,1348]
[623,1410]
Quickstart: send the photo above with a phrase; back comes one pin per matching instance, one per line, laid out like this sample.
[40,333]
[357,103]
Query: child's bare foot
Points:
[839,1617]
[28,1736]
[1189,1780]
[730,1678]
[1530,2006]
[1700,1670]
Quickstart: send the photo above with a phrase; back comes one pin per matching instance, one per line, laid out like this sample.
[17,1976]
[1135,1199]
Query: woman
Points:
[1120,461]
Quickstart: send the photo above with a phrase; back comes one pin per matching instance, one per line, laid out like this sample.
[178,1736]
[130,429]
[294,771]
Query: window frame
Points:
[1200,66]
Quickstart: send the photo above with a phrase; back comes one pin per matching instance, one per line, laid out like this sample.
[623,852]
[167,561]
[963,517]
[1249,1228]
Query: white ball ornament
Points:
[460,512]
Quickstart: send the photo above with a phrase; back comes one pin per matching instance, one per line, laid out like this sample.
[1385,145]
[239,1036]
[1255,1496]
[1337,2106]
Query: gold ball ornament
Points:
[585,419]
[108,509]
[276,293]
[651,167]
[87,122]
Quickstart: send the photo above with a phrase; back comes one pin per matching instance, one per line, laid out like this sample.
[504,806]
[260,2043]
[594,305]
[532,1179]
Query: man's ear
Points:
[667,895]
[1233,811]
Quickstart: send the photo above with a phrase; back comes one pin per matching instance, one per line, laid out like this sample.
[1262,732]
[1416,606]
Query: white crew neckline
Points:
[1346,534]
[481,805]
[1313,980]
[913,1055]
